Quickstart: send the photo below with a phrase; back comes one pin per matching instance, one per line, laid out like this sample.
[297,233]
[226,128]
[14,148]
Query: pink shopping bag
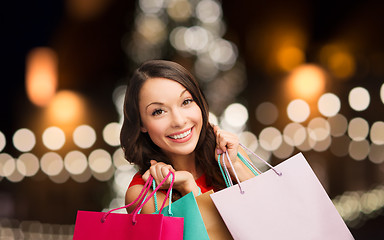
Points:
[285,202]
[108,225]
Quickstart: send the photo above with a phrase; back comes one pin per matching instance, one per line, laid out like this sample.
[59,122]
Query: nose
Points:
[178,118]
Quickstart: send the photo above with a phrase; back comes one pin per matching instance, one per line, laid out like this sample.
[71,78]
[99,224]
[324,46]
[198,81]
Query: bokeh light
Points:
[111,133]
[294,134]
[249,140]
[236,115]
[284,151]
[196,38]
[338,60]
[100,161]
[51,164]
[7,164]
[267,113]
[322,145]
[75,162]
[208,11]
[377,133]
[28,164]
[53,138]
[270,138]
[24,140]
[376,153]
[318,129]
[359,150]
[338,124]
[298,110]
[224,53]
[3,141]
[329,104]
[340,145]
[306,82]
[289,57]
[359,99]
[151,6]
[358,129]
[41,75]
[84,136]
[382,93]
[179,10]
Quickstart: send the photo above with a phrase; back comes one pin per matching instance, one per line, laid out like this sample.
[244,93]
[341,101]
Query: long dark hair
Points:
[138,147]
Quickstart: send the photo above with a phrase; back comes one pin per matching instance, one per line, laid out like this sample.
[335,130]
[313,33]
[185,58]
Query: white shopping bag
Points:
[291,206]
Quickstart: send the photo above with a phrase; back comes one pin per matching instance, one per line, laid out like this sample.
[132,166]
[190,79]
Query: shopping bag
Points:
[285,202]
[186,207]
[216,228]
[108,225]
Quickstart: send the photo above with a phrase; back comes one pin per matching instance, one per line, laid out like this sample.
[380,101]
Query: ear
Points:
[143,129]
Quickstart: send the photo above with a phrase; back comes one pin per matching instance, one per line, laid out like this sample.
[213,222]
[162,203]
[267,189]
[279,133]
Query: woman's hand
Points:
[229,142]
[184,181]
[226,142]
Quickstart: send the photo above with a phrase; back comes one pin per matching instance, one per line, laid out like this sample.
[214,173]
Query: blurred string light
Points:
[24,140]
[84,136]
[3,141]
[53,138]
[41,75]
[298,110]
[359,99]
[338,60]
[267,113]
[382,92]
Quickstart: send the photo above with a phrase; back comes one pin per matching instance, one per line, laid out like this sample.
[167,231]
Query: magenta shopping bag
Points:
[285,202]
[108,225]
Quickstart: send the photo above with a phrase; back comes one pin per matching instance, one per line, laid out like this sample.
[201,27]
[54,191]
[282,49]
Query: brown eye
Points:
[157,112]
[187,101]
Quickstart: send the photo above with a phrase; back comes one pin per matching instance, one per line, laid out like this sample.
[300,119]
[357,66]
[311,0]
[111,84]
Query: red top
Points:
[201,182]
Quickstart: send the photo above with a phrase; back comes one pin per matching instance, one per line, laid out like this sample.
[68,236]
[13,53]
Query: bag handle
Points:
[248,163]
[142,194]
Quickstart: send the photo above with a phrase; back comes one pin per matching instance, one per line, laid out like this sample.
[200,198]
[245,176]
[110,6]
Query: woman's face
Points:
[171,117]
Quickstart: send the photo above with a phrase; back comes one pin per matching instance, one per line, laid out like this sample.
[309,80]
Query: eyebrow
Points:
[160,103]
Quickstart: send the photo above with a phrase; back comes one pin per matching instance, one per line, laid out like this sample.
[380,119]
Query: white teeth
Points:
[183,135]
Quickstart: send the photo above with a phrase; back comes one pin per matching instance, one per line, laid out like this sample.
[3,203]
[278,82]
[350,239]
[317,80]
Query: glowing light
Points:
[205,68]
[236,115]
[289,57]
[339,125]
[84,136]
[318,129]
[41,75]
[151,28]
[100,161]
[28,164]
[358,129]
[377,133]
[83,177]
[382,92]
[270,138]
[306,82]
[3,141]
[51,164]
[119,161]
[196,38]
[294,134]
[111,134]
[267,113]
[224,53]
[322,145]
[66,107]
[53,138]
[7,165]
[213,119]
[249,140]
[208,11]
[177,38]
[151,6]
[307,145]
[338,60]
[329,104]
[75,162]
[359,150]
[298,110]
[24,140]
[179,10]
[376,153]
[359,99]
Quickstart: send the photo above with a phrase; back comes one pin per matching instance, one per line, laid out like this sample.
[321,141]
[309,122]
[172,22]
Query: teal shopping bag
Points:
[187,208]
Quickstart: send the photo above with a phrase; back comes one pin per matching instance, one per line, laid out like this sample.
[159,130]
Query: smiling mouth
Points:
[182,135]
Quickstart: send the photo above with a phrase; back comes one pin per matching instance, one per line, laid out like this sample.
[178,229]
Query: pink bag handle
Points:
[143,193]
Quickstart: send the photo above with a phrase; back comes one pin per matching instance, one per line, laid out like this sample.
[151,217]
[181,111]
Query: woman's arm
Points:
[134,191]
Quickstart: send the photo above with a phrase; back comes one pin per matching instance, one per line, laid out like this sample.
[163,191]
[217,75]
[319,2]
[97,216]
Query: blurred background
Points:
[287,76]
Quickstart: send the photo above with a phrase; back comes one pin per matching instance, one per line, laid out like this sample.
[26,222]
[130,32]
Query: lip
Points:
[182,140]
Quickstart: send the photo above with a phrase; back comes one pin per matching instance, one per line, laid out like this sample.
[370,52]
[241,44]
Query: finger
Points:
[146,176]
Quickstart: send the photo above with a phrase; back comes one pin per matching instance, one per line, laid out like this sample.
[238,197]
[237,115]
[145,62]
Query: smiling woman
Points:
[166,128]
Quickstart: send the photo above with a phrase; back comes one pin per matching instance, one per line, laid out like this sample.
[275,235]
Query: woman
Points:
[166,128]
